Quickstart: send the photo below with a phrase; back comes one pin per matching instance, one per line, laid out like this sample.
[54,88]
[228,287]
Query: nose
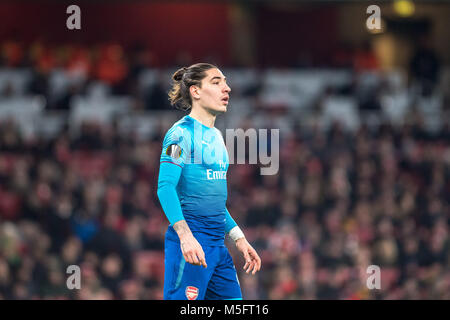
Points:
[227,88]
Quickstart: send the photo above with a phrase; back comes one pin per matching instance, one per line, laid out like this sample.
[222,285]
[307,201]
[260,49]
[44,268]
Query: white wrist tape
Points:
[236,233]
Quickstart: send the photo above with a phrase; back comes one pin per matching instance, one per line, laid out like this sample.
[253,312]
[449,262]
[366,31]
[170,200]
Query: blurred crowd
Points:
[342,200]
[87,201]
[108,63]
[58,73]
[345,201]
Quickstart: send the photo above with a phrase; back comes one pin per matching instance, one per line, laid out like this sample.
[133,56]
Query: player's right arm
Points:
[173,158]
[191,249]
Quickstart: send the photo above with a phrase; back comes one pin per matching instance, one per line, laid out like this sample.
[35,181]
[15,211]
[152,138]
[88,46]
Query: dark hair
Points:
[183,79]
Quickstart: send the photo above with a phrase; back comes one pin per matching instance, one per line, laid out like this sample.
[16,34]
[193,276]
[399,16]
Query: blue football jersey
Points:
[202,188]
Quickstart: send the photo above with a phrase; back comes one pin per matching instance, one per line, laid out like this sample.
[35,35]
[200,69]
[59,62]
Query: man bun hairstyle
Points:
[182,80]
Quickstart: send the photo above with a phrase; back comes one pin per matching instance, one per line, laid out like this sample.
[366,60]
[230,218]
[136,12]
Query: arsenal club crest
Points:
[191,292]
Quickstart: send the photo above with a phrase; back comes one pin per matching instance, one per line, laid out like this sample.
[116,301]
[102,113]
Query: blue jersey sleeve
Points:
[176,146]
[169,174]
[174,153]
[229,221]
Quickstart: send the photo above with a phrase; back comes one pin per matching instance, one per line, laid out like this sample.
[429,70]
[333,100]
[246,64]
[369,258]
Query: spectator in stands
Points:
[112,66]
[342,200]
[424,66]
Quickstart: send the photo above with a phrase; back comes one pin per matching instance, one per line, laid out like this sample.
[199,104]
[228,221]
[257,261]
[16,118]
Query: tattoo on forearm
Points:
[181,228]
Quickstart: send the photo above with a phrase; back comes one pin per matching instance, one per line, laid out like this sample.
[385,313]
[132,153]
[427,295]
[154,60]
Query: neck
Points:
[203,116]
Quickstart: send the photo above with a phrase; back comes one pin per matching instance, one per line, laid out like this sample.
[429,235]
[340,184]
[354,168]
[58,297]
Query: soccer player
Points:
[192,189]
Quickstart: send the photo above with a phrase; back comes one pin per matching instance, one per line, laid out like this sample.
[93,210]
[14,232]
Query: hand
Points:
[193,251]
[252,260]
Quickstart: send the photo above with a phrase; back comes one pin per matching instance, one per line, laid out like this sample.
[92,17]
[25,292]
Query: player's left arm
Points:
[252,259]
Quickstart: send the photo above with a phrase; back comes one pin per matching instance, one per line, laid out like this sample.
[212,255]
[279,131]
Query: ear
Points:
[194,90]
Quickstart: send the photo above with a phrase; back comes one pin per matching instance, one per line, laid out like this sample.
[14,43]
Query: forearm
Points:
[169,175]
[231,227]
[191,249]
[170,203]
[229,221]
[172,209]
[182,229]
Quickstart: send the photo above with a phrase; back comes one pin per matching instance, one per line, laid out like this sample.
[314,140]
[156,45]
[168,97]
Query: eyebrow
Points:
[214,78]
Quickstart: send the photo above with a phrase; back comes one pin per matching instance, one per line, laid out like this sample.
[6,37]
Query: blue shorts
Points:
[185,281]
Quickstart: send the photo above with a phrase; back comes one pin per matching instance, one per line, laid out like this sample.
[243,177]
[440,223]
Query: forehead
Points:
[214,72]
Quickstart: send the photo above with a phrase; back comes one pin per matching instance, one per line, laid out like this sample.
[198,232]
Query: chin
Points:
[219,110]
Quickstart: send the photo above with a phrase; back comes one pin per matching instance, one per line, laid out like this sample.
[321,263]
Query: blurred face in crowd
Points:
[213,95]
